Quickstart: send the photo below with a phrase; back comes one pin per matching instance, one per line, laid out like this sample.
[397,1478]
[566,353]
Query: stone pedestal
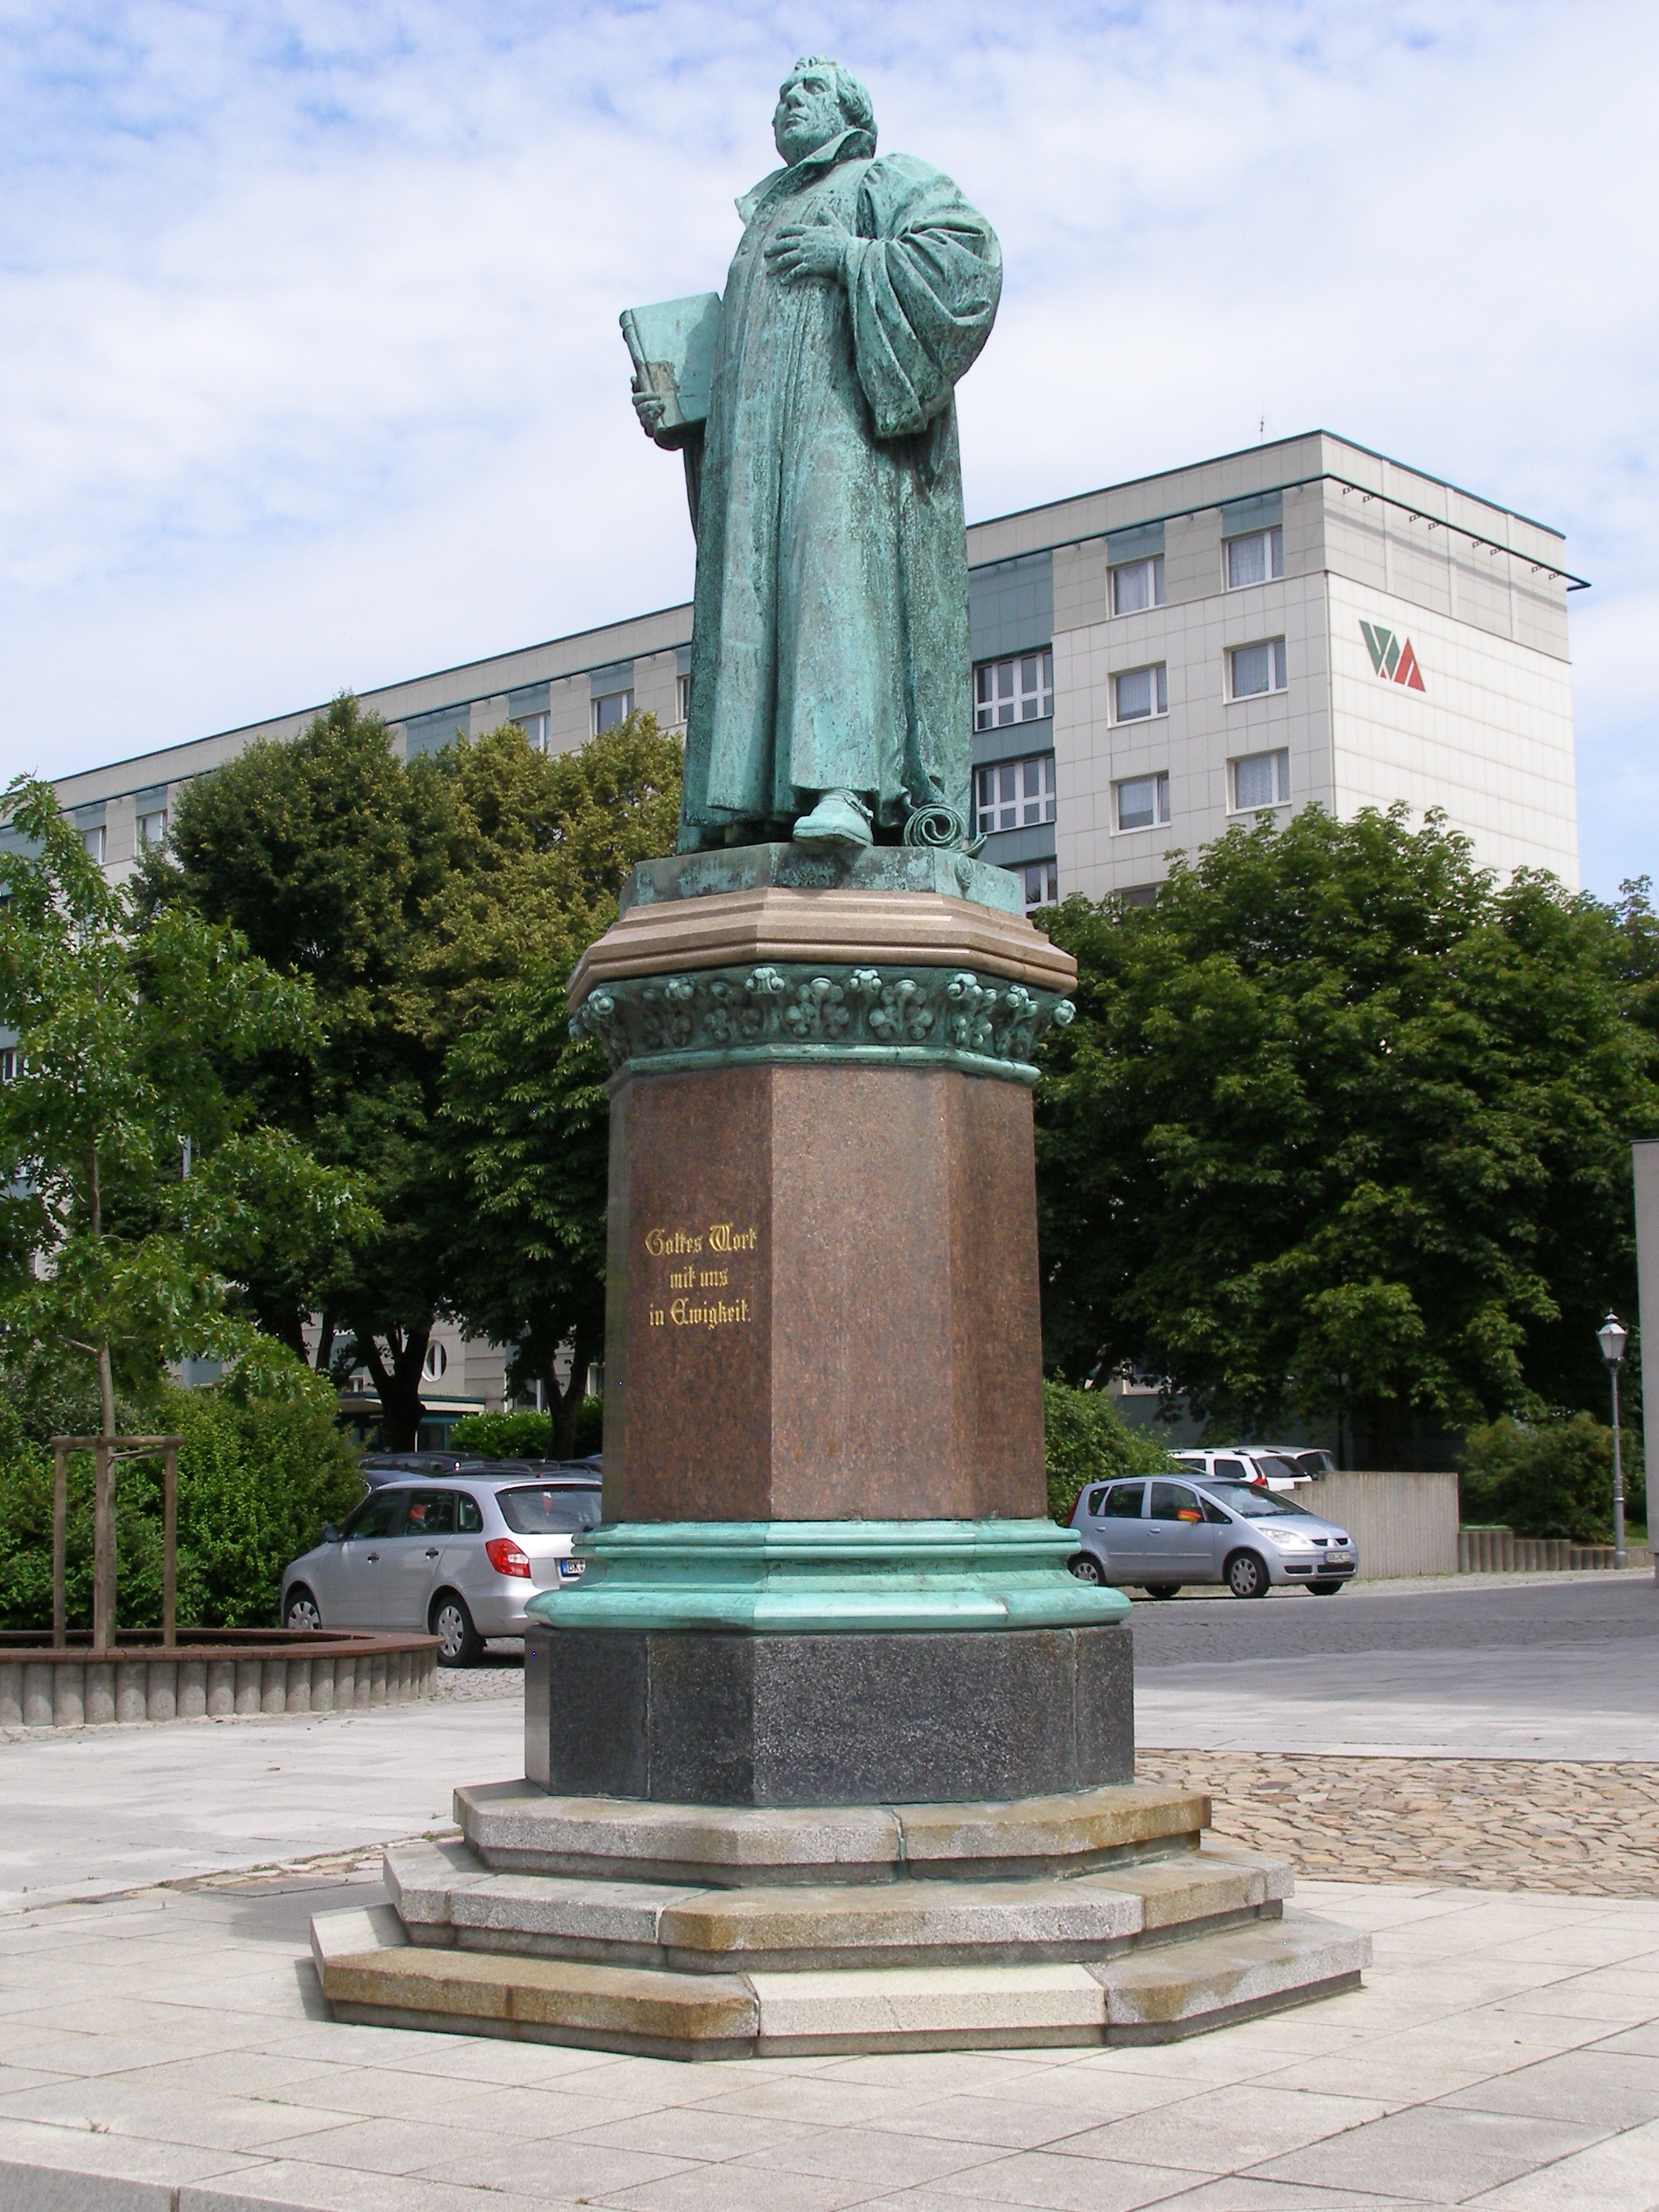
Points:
[827,1750]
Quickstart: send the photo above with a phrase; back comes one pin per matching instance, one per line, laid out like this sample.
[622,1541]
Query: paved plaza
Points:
[168,2051]
[165,2048]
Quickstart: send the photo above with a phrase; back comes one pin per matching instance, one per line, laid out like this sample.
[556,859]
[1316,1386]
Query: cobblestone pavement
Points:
[495,1676]
[1591,1830]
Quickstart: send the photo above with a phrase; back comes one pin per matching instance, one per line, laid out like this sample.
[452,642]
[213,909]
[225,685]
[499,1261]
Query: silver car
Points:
[1157,1536]
[458,1557]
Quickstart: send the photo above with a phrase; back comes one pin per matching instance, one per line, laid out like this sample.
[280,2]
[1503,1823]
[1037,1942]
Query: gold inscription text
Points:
[723,1237]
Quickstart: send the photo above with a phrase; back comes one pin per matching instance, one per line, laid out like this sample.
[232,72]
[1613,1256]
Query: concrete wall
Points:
[1403,1524]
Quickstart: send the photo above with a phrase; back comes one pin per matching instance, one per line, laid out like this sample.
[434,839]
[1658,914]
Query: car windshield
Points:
[1257,1505]
[550,1509]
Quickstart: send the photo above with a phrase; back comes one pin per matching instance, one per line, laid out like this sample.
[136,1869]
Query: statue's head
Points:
[817,101]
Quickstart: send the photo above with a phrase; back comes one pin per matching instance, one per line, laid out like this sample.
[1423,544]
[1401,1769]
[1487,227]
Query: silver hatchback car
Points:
[458,1558]
[1157,1536]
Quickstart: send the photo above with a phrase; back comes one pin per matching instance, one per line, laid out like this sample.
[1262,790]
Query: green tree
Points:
[1342,1127]
[137,1179]
[422,901]
[528,1105]
[1551,1478]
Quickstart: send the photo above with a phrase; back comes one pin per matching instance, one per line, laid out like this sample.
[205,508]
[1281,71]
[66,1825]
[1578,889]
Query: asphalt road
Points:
[1564,1669]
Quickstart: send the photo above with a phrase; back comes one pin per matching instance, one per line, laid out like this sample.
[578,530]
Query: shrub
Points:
[1553,1478]
[1086,1440]
[258,1478]
[525,1434]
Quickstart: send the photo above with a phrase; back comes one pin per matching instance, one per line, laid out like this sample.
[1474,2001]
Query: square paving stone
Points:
[1593,2087]
[1434,2154]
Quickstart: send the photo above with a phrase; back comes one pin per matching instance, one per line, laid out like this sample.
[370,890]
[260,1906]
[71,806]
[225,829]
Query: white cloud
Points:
[312,375]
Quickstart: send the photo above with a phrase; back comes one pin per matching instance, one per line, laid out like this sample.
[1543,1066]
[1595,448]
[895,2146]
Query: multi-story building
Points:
[1303,623]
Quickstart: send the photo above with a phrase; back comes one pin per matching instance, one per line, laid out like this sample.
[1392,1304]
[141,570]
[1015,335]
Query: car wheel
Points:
[1089,1570]
[1246,1575]
[302,1610]
[1163,1590]
[1327,1589]
[459,1642]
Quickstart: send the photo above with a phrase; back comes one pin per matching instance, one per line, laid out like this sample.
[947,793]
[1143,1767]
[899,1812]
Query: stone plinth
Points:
[799,1720]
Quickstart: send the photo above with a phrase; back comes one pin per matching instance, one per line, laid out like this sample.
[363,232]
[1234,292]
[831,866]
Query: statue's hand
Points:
[648,406]
[807,249]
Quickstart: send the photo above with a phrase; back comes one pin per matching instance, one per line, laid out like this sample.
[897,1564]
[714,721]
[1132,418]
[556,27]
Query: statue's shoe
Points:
[838,819]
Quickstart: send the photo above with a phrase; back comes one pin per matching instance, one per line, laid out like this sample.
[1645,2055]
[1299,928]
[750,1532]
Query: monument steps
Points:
[373,1975]
[1129,1926]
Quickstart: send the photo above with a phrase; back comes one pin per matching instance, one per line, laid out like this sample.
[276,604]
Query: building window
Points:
[682,698]
[153,829]
[615,707]
[11,1062]
[1140,894]
[1018,691]
[94,839]
[1141,802]
[1014,794]
[1256,559]
[1260,780]
[435,1364]
[1255,669]
[1138,584]
[1041,883]
[535,729]
[1140,692]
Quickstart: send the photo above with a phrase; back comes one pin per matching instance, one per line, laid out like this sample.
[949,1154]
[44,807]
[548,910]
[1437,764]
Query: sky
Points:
[310,377]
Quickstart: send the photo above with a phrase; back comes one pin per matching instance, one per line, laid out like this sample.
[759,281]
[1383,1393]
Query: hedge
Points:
[257,1481]
[1088,1440]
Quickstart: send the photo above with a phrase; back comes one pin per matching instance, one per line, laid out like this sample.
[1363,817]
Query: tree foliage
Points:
[434,908]
[258,1475]
[1551,1478]
[1341,1124]
[137,1181]
[1086,1440]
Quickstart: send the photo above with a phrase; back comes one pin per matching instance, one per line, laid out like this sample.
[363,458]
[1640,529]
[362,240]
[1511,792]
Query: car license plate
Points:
[570,1568]
[1339,1558]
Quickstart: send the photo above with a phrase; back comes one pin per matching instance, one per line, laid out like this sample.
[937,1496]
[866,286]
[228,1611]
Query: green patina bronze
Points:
[790,867]
[909,1017]
[830,655]
[818,1577]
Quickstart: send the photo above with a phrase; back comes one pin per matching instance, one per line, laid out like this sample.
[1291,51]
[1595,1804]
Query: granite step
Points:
[371,1973]
[514,1827]
[446,1897]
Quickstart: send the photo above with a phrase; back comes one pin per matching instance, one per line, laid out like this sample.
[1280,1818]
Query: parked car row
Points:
[1157,1535]
[456,1555]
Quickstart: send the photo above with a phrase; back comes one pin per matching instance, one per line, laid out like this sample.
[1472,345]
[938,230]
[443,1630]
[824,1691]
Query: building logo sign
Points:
[1392,657]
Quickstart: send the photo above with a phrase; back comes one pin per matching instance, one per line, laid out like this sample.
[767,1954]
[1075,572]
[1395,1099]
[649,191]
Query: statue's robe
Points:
[830,642]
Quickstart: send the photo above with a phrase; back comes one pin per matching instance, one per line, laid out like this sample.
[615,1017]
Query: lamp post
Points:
[1613,1336]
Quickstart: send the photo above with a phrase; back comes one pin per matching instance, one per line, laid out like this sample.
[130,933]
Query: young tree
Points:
[1341,1128]
[137,1179]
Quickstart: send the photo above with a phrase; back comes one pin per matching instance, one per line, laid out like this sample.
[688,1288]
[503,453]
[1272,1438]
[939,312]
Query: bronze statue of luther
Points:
[830,671]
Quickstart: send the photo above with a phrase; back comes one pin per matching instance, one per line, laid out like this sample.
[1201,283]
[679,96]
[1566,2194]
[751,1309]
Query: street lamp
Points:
[1613,1336]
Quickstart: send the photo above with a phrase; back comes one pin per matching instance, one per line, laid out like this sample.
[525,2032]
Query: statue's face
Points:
[808,115]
